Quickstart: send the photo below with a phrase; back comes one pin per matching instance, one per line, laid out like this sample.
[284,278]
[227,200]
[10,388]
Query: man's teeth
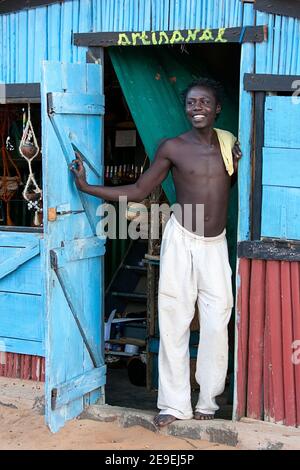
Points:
[199,117]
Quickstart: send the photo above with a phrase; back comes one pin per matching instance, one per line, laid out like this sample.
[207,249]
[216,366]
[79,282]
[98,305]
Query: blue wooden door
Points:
[72,113]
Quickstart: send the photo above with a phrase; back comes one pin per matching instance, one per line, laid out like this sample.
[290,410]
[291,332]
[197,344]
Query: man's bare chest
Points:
[203,163]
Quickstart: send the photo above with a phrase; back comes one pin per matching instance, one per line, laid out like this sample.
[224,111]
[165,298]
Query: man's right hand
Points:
[77,168]
[135,192]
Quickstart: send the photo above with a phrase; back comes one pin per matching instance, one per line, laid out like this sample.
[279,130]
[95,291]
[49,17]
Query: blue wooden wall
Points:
[21,293]
[281,160]
[28,37]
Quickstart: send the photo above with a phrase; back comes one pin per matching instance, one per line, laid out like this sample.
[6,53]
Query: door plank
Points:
[281,167]
[75,103]
[23,318]
[69,155]
[77,250]
[77,387]
[14,262]
[70,293]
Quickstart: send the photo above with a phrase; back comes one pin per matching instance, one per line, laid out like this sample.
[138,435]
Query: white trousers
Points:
[192,268]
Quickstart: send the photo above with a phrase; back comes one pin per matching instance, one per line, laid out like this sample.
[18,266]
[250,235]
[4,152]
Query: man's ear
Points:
[218,109]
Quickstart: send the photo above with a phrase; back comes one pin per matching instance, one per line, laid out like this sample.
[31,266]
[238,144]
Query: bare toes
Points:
[161,420]
[203,417]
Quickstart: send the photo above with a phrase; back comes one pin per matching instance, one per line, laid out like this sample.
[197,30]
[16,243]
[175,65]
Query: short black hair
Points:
[205,82]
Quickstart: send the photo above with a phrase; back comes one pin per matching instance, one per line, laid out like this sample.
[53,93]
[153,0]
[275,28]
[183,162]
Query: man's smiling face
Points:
[201,107]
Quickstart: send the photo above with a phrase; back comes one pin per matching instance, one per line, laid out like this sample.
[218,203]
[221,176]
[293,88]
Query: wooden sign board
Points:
[187,36]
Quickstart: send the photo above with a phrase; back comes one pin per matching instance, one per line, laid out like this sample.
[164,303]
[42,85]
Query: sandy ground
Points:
[24,429]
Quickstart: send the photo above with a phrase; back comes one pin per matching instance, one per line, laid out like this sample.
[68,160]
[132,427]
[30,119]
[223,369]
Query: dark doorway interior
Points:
[126,380]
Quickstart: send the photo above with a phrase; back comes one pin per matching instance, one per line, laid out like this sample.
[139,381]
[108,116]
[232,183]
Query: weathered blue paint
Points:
[34,347]
[21,309]
[281,169]
[21,316]
[280,55]
[26,278]
[245,133]
[11,263]
[73,253]
[281,212]
[73,103]
[281,122]
[79,386]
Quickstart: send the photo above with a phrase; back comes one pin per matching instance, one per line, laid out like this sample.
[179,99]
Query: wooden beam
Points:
[22,346]
[186,36]
[75,103]
[277,250]
[7,228]
[8,6]
[279,7]
[20,93]
[77,387]
[272,83]
[76,250]
[259,143]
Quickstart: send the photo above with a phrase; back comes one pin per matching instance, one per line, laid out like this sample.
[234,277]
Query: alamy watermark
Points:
[135,220]
[2,93]
[296,94]
[296,353]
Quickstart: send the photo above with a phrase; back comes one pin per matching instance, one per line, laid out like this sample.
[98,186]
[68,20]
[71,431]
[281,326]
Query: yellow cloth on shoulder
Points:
[227,141]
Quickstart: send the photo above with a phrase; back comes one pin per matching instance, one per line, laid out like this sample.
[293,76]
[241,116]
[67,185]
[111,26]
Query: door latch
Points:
[53,212]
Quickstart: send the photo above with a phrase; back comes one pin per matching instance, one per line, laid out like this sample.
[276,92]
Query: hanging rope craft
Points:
[8,184]
[29,150]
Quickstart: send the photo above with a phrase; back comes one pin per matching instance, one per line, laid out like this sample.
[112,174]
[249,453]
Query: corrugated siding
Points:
[22,366]
[268,375]
[28,37]
[281,53]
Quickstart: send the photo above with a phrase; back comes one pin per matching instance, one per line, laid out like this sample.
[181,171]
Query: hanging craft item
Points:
[8,184]
[29,150]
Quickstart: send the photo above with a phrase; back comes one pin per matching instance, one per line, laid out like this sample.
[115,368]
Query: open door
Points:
[72,115]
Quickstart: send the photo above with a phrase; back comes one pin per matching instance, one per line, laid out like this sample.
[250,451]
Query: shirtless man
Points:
[193,268]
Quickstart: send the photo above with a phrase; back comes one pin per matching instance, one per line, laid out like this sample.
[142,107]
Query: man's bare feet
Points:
[163,420]
[202,416]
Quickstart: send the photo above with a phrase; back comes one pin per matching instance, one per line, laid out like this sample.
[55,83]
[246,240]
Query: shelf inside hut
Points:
[15,214]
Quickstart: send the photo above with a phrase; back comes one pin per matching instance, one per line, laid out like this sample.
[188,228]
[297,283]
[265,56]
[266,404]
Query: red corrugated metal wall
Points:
[22,366]
[268,363]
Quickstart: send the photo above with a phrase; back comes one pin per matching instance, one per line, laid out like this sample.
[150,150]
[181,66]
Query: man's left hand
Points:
[237,155]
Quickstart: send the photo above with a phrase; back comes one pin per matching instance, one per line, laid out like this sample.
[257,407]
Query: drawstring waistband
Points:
[189,234]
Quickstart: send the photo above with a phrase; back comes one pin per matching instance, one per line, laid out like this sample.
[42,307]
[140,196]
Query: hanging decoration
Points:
[29,150]
[9,184]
